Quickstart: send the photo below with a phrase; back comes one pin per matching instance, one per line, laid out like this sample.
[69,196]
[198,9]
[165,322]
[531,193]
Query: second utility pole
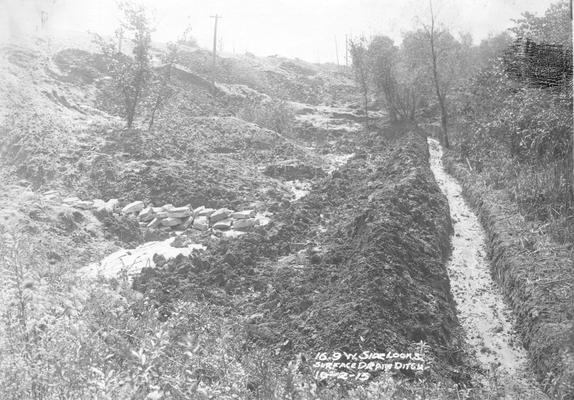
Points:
[214,51]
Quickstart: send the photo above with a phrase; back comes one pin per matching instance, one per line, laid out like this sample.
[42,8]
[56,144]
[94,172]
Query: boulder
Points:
[53,196]
[99,204]
[232,234]
[134,207]
[112,204]
[243,214]
[171,222]
[84,204]
[219,215]
[223,225]
[161,214]
[146,214]
[179,212]
[154,223]
[244,224]
[204,212]
[200,223]
[70,200]
[187,222]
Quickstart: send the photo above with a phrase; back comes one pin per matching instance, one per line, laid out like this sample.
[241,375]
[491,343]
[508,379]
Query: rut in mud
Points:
[481,310]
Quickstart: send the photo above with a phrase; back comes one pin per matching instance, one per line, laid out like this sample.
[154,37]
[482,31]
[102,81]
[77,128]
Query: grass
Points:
[539,189]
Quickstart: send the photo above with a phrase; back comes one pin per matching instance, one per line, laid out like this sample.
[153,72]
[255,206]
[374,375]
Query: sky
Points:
[313,30]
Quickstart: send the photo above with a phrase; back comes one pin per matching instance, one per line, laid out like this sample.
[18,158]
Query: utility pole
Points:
[337,54]
[346,51]
[214,50]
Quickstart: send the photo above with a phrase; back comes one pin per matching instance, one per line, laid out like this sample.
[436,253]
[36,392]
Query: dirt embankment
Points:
[358,264]
[536,277]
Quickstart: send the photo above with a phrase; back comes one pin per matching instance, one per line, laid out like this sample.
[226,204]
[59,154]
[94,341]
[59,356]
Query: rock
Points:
[204,212]
[84,204]
[223,225]
[70,200]
[161,214]
[219,215]
[171,222]
[98,204]
[232,234]
[187,223]
[146,214]
[167,207]
[243,214]
[244,224]
[134,207]
[154,223]
[179,212]
[200,223]
[51,195]
[112,204]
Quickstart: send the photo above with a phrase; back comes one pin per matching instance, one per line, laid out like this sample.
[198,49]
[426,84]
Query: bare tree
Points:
[162,89]
[360,65]
[432,35]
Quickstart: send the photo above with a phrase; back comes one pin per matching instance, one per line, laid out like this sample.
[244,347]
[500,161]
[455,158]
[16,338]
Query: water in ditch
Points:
[483,314]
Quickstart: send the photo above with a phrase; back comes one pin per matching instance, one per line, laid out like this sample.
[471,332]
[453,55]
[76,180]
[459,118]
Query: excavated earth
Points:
[353,258]
[357,264]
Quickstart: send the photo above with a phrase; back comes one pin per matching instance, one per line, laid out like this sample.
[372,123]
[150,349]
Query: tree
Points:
[442,63]
[555,27]
[382,58]
[161,86]
[359,59]
[131,75]
[395,79]
[433,36]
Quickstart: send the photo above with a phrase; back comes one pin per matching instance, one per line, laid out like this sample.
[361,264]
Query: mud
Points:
[482,311]
[358,263]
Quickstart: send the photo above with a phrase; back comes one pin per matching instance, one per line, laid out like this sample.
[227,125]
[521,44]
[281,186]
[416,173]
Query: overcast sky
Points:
[308,29]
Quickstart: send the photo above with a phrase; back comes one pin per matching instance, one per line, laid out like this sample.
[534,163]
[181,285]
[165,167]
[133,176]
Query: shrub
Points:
[276,115]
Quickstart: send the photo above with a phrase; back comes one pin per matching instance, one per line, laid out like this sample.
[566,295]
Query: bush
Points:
[276,115]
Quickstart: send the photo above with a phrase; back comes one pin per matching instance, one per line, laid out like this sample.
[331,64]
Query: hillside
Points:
[249,234]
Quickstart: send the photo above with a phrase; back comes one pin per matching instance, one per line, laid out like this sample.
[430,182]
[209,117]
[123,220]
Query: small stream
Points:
[481,310]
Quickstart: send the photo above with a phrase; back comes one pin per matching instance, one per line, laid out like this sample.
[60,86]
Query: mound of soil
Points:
[357,264]
[79,66]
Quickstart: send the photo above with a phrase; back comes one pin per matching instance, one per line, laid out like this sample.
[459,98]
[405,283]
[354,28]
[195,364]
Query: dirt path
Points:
[482,312]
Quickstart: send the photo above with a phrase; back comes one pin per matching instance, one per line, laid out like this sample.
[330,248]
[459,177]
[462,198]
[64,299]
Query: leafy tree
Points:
[359,57]
[554,27]
[131,75]
[392,79]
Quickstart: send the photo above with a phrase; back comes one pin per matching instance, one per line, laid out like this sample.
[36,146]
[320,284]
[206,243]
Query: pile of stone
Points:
[169,217]
[201,218]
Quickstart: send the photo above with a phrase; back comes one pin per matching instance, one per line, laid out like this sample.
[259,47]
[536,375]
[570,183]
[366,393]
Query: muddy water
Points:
[482,312]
